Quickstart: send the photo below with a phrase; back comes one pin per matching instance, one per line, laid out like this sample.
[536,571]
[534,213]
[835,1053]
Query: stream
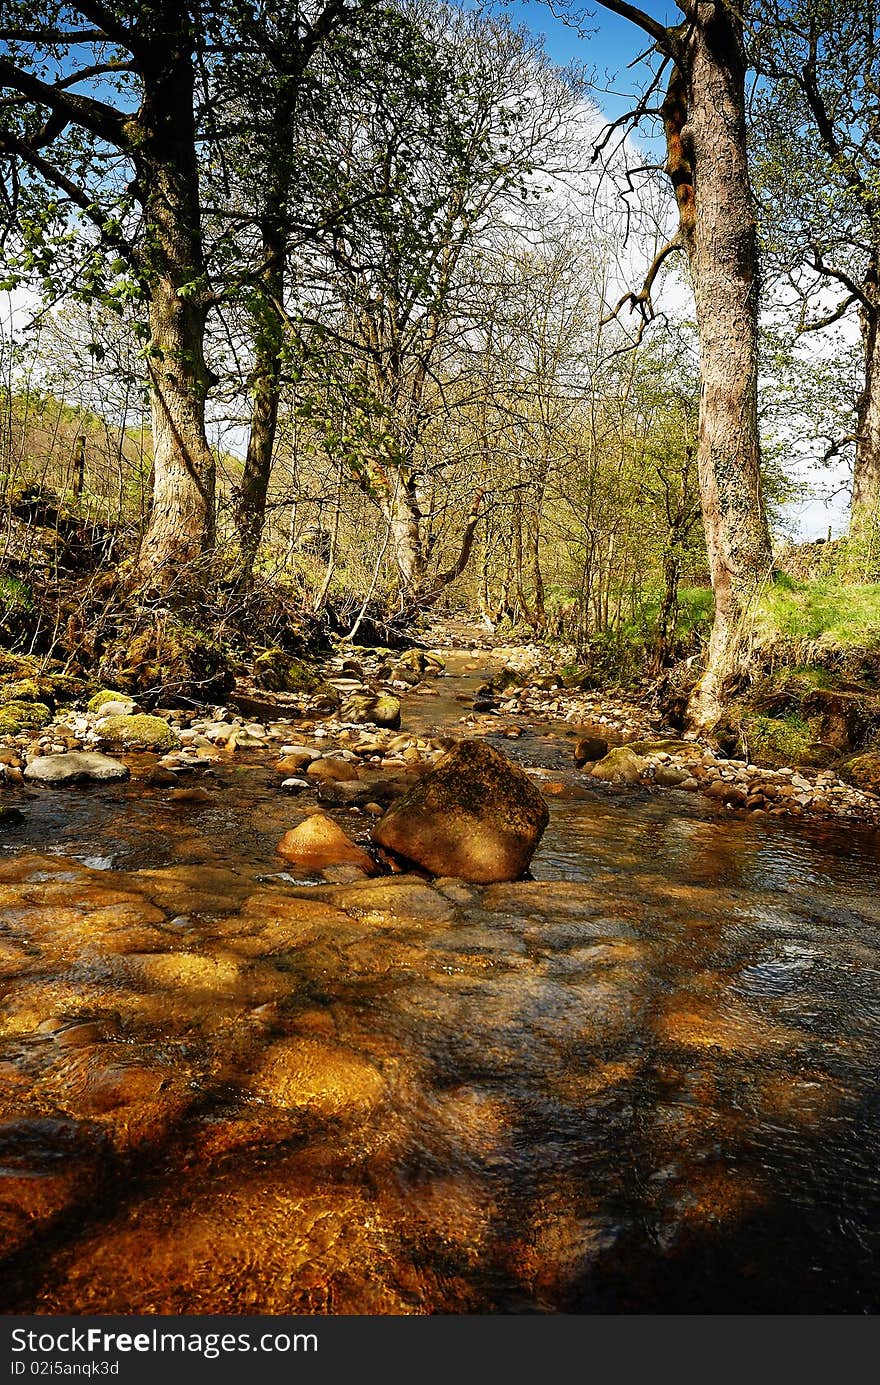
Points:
[644,1081]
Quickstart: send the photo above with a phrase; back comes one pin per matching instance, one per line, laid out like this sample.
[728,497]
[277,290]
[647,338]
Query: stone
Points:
[863,771]
[319,842]
[104,698]
[379,709]
[278,671]
[474,816]
[141,731]
[23,716]
[590,748]
[296,760]
[320,1077]
[122,707]
[10,817]
[670,776]
[620,766]
[732,794]
[74,765]
[339,770]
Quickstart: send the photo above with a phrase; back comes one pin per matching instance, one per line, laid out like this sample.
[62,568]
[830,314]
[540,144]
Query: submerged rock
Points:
[319,843]
[474,816]
[324,1078]
[73,766]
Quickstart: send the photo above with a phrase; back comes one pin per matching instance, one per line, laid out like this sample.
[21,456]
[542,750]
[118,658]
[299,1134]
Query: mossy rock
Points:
[324,698]
[106,695]
[672,746]
[277,671]
[620,766]
[508,678]
[139,731]
[170,661]
[16,717]
[863,771]
[577,678]
[768,741]
[18,665]
[27,690]
[49,688]
[381,710]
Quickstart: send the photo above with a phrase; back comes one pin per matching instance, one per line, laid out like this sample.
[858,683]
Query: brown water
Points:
[645,1081]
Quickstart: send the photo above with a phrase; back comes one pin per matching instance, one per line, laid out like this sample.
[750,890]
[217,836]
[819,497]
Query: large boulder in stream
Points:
[475,816]
[74,766]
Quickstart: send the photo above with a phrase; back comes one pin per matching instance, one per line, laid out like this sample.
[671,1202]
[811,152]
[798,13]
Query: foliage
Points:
[825,610]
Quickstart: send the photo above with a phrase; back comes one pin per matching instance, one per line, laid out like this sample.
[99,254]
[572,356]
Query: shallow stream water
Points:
[645,1081]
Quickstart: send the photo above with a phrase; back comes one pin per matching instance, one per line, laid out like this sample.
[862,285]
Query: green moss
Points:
[767,740]
[105,695]
[169,659]
[863,771]
[278,671]
[24,690]
[16,717]
[150,733]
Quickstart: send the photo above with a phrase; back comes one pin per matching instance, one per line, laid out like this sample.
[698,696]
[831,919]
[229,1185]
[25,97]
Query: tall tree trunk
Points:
[181,523]
[704,116]
[865,516]
[249,502]
[401,509]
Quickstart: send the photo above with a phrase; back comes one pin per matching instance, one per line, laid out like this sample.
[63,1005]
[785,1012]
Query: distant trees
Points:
[444,137]
[816,139]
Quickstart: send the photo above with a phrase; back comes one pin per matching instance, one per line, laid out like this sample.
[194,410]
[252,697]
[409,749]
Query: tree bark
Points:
[249,501]
[181,524]
[865,514]
[704,116]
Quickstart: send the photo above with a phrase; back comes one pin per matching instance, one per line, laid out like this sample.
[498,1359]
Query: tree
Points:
[124,163]
[816,137]
[442,138]
[108,121]
[703,114]
[274,188]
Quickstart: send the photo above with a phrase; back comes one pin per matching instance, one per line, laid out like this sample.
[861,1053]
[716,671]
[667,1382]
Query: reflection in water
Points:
[644,1081]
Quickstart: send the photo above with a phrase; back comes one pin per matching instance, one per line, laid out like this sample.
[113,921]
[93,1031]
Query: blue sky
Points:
[605,44]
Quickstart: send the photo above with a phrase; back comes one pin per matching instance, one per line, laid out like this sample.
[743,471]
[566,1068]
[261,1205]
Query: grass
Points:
[825,609]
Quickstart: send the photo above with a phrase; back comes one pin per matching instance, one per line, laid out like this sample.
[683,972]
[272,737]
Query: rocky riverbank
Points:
[335,738]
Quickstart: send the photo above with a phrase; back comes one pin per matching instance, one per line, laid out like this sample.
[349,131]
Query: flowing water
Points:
[644,1081]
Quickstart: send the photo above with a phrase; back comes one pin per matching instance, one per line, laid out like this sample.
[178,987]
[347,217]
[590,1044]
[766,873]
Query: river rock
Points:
[474,816]
[339,770]
[319,842]
[620,766]
[378,709]
[327,1079]
[863,771]
[73,766]
[146,732]
[590,748]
